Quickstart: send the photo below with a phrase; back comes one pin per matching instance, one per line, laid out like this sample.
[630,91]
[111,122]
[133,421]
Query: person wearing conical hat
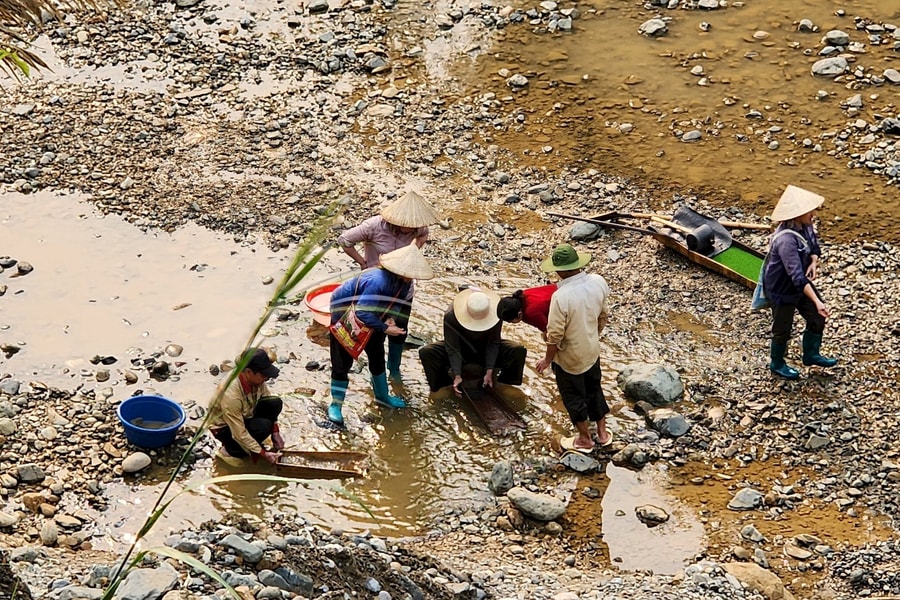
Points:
[472,336]
[791,268]
[400,223]
[378,296]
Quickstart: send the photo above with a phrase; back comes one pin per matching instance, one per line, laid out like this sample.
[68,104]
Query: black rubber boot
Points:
[812,342]
[778,366]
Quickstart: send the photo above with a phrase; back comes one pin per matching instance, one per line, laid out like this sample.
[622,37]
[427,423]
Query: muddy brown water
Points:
[584,85]
[102,287]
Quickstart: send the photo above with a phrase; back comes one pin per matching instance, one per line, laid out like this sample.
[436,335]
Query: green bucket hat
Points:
[565,258]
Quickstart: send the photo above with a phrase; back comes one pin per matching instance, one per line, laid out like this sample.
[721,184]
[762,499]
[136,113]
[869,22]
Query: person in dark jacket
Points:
[788,281]
[472,336]
[375,294]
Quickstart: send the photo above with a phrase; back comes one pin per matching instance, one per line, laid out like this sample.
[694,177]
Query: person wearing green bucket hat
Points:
[565,258]
[790,270]
[579,310]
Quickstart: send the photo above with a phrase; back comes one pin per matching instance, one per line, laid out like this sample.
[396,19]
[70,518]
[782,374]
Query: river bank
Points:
[242,131]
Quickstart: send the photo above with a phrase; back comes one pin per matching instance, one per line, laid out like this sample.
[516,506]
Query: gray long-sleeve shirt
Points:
[464,346]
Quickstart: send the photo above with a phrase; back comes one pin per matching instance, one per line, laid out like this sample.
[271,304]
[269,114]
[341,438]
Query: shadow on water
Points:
[100,286]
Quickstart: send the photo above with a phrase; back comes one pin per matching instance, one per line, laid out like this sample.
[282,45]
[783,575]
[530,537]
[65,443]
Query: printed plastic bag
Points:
[351,333]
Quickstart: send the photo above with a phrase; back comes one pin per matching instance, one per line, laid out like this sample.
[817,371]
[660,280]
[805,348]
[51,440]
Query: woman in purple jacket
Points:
[788,281]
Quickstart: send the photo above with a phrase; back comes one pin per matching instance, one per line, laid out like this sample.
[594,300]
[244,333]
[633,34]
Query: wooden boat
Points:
[325,464]
[492,409]
[725,264]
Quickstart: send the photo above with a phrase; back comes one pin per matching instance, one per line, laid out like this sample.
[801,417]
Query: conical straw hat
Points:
[410,210]
[795,202]
[407,261]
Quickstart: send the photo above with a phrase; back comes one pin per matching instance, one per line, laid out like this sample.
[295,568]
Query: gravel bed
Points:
[259,134]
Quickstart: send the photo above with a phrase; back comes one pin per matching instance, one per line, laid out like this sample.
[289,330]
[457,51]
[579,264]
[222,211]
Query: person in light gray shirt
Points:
[579,310]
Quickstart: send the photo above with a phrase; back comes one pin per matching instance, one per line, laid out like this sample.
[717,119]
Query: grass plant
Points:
[16,15]
[307,255]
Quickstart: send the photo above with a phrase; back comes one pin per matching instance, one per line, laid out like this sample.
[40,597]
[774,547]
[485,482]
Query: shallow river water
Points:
[606,97]
[102,287]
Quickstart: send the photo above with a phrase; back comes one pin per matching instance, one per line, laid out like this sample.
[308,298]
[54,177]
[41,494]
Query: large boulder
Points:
[757,579]
[148,584]
[541,507]
[657,384]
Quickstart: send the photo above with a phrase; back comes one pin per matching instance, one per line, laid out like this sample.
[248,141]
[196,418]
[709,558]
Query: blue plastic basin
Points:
[151,421]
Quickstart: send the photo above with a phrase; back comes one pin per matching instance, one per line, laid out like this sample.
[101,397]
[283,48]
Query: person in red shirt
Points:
[531,305]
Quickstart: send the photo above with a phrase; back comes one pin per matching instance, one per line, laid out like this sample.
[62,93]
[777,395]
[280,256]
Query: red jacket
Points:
[536,307]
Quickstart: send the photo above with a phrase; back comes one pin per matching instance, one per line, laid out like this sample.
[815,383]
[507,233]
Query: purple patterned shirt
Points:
[379,237]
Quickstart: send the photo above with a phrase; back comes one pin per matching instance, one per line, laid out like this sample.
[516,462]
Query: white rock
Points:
[136,462]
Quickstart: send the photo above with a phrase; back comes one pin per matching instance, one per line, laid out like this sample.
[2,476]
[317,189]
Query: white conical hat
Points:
[410,210]
[407,261]
[795,202]
[476,309]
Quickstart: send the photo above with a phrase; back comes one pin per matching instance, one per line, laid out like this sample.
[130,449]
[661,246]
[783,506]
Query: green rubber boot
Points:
[778,366]
[338,393]
[382,397]
[812,342]
[394,356]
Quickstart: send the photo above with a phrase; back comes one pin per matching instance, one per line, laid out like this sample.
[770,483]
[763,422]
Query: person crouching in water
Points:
[374,295]
[788,281]
[247,413]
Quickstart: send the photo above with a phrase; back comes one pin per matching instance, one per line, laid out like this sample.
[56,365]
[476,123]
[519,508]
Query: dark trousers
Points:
[342,362]
[436,364]
[259,426]
[783,318]
[582,394]
[401,313]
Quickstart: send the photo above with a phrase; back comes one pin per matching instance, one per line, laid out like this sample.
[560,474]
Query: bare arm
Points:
[813,268]
[353,253]
[362,233]
[549,353]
